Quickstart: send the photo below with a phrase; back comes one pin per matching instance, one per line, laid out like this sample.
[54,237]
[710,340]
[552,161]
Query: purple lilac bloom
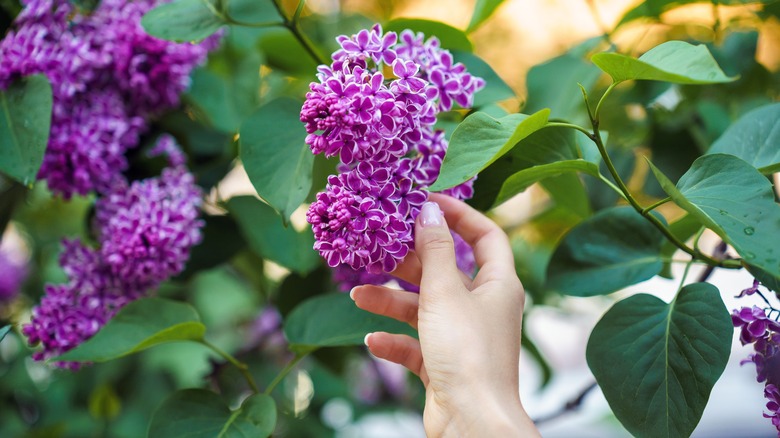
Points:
[107,77]
[12,275]
[772,393]
[145,231]
[751,290]
[382,131]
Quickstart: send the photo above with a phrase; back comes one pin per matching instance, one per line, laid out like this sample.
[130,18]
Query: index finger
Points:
[491,245]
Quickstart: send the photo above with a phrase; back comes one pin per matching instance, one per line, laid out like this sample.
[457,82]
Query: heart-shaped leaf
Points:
[275,156]
[334,320]
[614,248]
[672,61]
[25,119]
[755,138]
[657,363]
[480,140]
[198,413]
[450,37]
[137,326]
[733,199]
[183,20]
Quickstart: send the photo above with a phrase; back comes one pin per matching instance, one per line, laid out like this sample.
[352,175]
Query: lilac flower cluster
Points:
[382,131]
[107,77]
[764,333]
[12,275]
[145,230]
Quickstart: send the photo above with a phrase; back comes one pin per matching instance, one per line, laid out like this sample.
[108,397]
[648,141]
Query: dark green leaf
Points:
[450,38]
[771,282]
[672,61]
[613,249]
[268,236]
[755,138]
[275,156]
[284,52]
[682,229]
[296,288]
[198,413]
[183,20]
[483,9]
[495,89]
[4,332]
[733,199]
[566,190]
[657,363]
[533,351]
[480,140]
[554,85]
[334,320]
[104,404]
[221,241]
[137,326]
[25,118]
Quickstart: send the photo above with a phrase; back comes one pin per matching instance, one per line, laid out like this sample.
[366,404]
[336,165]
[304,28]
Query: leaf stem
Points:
[221,12]
[292,26]
[242,367]
[569,125]
[282,374]
[655,205]
[685,275]
[601,101]
[298,11]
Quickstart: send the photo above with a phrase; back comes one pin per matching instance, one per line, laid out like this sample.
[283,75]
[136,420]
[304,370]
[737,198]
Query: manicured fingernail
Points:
[430,215]
[365,340]
[352,293]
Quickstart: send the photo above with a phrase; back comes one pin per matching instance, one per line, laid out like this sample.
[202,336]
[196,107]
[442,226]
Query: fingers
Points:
[401,349]
[435,249]
[396,304]
[491,245]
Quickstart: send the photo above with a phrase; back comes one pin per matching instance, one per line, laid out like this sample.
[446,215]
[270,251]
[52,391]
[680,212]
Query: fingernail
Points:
[430,215]
[365,340]
[352,293]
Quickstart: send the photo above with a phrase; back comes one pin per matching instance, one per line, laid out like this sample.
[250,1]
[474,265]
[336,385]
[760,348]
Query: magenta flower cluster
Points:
[764,333]
[108,76]
[145,230]
[381,129]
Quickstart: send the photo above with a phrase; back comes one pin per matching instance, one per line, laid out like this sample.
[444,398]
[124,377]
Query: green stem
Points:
[655,205]
[298,11]
[609,89]
[282,374]
[685,275]
[569,125]
[242,367]
[292,26]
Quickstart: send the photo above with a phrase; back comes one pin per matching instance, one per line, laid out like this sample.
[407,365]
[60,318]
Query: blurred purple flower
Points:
[772,393]
[107,77]
[751,290]
[12,275]
[754,324]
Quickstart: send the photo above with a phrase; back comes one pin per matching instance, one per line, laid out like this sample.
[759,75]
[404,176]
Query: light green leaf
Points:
[495,89]
[554,85]
[483,9]
[183,20]
[525,178]
[198,413]
[268,236]
[657,363]
[480,140]
[733,199]
[755,138]
[4,332]
[334,320]
[137,326]
[275,156]
[25,119]
[654,8]
[672,61]
[613,249]
[450,37]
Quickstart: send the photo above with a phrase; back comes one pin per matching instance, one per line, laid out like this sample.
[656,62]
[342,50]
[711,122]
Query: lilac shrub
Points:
[381,129]
[108,77]
[145,231]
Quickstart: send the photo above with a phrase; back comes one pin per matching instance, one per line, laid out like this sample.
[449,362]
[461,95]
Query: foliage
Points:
[255,312]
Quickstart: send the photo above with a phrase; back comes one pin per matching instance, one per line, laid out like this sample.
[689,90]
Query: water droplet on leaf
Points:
[724,212]
[749,231]
[750,255]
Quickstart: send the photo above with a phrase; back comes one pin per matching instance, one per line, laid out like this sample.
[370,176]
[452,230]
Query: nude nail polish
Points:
[430,215]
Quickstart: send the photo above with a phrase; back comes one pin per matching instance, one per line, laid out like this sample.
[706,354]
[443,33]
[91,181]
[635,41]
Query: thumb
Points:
[435,249]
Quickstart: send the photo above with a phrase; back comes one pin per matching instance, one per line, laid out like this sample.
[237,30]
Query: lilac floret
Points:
[772,393]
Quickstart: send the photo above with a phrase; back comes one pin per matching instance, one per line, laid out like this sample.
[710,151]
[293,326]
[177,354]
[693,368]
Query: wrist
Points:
[493,415]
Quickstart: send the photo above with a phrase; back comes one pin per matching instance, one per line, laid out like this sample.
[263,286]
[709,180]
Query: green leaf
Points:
[755,138]
[450,37]
[483,9]
[544,366]
[672,61]
[733,199]
[480,140]
[654,8]
[275,156]
[554,85]
[221,241]
[104,404]
[4,332]
[614,248]
[268,236]
[183,20]
[657,363]
[137,326]
[495,89]
[682,229]
[567,190]
[334,320]
[284,52]
[198,413]
[25,119]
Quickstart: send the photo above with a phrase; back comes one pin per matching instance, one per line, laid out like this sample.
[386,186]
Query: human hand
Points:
[469,347]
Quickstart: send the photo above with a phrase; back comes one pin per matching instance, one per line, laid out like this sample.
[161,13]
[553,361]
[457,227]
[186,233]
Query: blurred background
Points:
[533,45]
